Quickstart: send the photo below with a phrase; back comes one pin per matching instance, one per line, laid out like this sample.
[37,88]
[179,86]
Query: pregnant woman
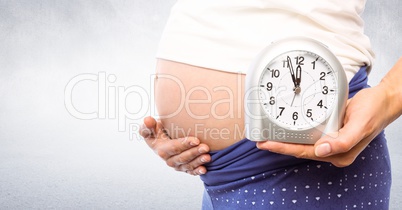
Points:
[204,54]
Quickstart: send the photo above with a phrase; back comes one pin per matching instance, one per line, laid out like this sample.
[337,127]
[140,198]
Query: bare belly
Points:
[205,103]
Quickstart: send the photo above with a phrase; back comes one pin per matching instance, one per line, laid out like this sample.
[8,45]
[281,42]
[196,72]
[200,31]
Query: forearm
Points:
[391,85]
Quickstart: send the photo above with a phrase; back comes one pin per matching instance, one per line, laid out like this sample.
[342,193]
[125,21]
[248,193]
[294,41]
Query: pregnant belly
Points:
[195,101]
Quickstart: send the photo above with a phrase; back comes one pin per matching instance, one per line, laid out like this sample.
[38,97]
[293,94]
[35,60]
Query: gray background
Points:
[52,159]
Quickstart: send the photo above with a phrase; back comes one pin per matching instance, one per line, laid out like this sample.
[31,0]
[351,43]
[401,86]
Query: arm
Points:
[183,154]
[361,124]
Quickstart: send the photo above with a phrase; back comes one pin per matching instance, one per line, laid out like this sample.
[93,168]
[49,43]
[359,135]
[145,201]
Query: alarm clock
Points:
[296,91]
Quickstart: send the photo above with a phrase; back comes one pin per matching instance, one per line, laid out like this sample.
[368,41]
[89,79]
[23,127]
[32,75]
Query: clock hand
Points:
[298,75]
[290,66]
[293,99]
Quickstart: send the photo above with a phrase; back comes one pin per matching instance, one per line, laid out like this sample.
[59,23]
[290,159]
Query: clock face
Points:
[298,90]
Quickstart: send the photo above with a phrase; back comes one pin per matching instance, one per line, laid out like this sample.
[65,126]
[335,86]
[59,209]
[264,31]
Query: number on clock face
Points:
[298,90]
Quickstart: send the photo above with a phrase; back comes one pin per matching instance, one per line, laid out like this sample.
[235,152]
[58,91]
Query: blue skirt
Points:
[244,177]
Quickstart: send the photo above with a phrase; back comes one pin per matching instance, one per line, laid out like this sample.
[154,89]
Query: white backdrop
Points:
[72,71]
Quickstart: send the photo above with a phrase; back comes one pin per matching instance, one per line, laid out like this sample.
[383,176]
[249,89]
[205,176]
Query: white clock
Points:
[296,91]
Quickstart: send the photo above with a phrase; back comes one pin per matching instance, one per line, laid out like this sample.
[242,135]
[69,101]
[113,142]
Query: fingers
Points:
[341,153]
[183,154]
[198,171]
[341,142]
[305,152]
[361,125]
[189,155]
[190,158]
[344,142]
[296,150]
[195,167]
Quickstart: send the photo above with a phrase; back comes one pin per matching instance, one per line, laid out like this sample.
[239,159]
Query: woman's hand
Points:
[183,154]
[367,114]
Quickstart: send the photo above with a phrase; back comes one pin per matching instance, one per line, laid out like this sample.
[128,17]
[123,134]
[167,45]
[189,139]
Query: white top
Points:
[228,34]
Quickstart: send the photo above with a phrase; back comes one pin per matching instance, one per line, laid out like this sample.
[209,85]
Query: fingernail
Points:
[201,171]
[202,150]
[203,160]
[192,143]
[323,150]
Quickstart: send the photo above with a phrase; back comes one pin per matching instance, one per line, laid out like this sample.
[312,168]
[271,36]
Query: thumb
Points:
[150,122]
[147,129]
[339,142]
